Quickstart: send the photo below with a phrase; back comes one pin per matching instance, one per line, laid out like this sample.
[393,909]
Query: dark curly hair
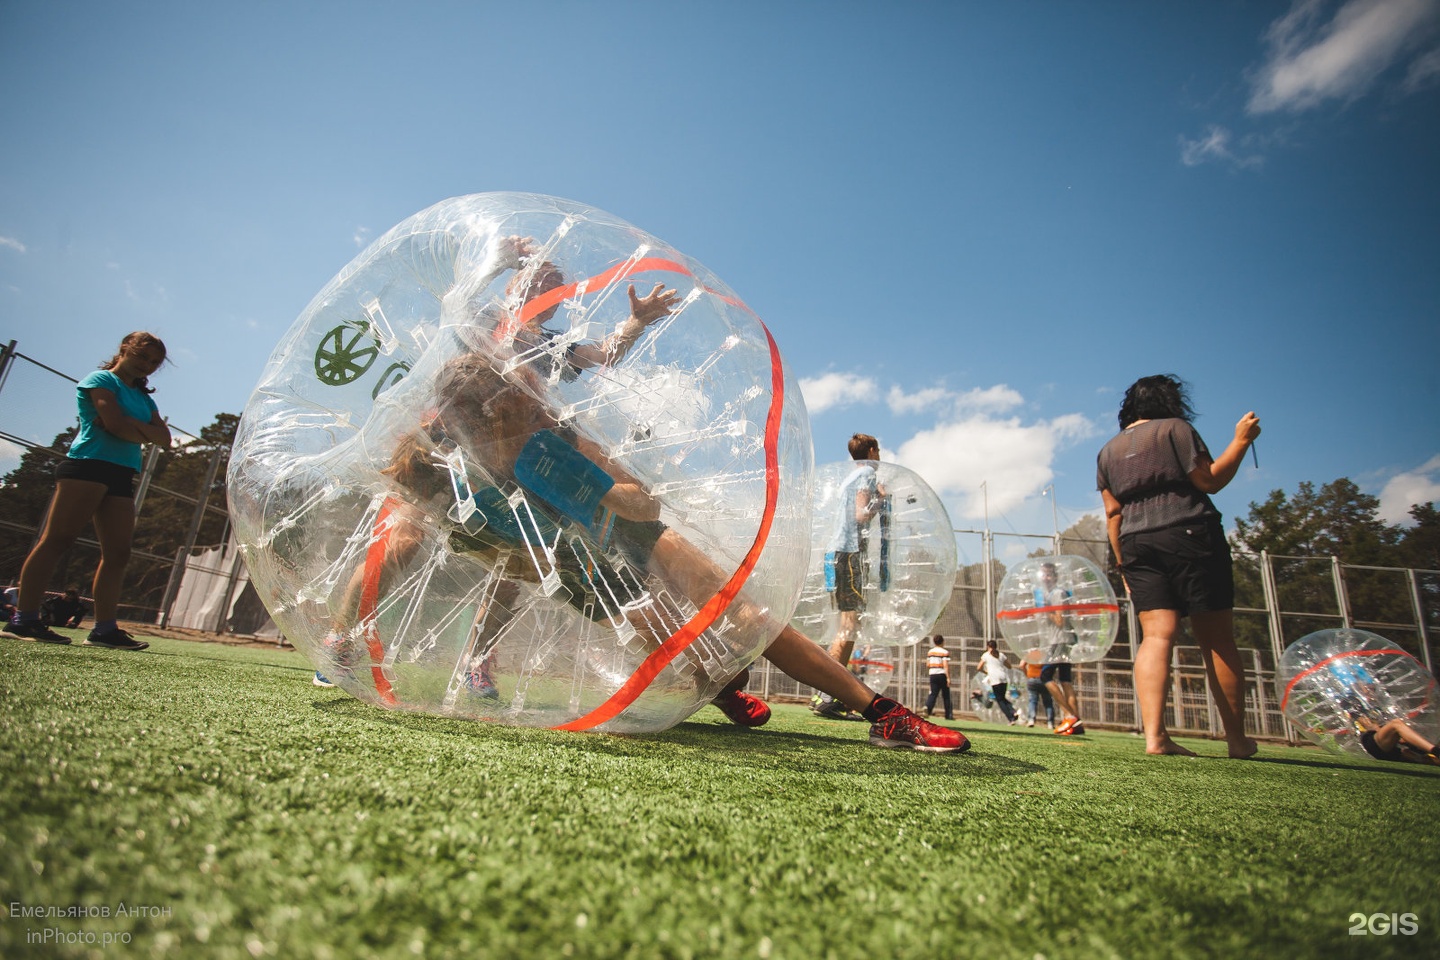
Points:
[1156,398]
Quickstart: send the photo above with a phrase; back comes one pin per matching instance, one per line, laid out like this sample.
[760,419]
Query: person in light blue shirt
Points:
[860,500]
[95,483]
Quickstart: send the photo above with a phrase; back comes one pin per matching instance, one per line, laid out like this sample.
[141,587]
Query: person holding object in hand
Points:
[1155,478]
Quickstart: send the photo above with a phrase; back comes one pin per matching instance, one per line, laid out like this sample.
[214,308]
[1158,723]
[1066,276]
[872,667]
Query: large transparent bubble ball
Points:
[982,696]
[908,554]
[481,477]
[1057,610]
[1330,680]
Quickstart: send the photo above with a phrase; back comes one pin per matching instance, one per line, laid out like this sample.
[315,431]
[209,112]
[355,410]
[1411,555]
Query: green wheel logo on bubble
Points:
[341,358]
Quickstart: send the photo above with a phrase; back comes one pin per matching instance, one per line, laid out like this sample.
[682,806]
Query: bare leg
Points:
[1064,695]
[114,528]
[1396,732]
[804,660]
[1152,679]
[74,503]
[1215,632]
[844,644]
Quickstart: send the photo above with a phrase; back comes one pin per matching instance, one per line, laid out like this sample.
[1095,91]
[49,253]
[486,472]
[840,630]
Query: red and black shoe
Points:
[743,709]
[906,730]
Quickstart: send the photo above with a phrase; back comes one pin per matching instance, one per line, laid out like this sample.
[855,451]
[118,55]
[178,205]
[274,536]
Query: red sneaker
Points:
[743,709]
[906,730]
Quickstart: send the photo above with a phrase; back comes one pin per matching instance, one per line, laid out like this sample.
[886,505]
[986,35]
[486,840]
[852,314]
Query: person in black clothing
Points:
[66,610]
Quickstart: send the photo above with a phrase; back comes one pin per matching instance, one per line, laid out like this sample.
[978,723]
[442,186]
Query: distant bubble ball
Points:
[906,557]
[1332,684]
[1057,610]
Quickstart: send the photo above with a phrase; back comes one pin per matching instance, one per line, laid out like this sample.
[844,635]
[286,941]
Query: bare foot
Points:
[1168,748]
[1244,749]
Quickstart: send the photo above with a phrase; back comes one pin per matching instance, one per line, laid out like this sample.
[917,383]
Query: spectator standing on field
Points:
[95,482]
[938,662]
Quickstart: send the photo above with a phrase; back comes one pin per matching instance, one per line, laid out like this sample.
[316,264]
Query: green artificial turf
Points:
[236,811]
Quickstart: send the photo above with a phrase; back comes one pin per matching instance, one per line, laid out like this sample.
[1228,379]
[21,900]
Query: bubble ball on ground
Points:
[982,697]
[522,461]
[1334,684]
[907,556]
[1057,609]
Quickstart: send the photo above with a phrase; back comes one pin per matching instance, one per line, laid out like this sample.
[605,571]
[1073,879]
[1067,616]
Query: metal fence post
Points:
[1419,605]
[182,559]
[152,457]
[1342,596]
[7,357]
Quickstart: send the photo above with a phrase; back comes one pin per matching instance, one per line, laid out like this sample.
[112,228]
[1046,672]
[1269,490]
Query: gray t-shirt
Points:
[1147,468]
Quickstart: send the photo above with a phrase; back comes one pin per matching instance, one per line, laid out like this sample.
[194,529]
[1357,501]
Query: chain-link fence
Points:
[1279,600]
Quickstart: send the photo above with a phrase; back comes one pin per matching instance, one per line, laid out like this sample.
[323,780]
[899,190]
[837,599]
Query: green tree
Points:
[1420,549]
[1304,534]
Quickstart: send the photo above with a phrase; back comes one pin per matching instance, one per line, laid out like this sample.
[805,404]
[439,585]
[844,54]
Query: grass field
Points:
[205,800]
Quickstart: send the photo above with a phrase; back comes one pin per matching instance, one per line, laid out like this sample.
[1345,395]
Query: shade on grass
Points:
[259,816]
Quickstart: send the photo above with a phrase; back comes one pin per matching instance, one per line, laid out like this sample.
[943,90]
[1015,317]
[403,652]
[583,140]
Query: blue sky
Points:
[969,225]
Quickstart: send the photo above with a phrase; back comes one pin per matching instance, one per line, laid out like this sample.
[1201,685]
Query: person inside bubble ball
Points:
[997,677]
[419,498]
[521,319]
[1058,675]
[505,426]
[861,499]
[1155,478]
[398,530]
[1395,741]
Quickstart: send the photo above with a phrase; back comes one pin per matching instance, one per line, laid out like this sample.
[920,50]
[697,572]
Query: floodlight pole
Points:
[988,551]
[1054,517]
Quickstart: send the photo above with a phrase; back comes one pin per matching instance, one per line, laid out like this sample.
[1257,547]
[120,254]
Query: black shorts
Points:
[635,539]
[1051,672]
[849,583]
[119,481]
[1186,569]
[597,585]
[1367,742]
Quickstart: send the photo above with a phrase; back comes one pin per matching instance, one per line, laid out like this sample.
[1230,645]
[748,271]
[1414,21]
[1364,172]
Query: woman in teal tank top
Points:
[94,483]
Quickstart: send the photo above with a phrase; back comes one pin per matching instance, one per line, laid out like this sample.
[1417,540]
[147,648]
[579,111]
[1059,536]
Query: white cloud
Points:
[1404,490]
[996,399]
[1215,145]
[10,454]
[361,236]
[901,402]
[1424,70]
[1010,458]
[13,244]
[1312,60]
[837,390]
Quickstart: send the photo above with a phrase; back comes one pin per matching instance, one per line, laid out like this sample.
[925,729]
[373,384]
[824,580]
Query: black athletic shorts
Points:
[635,539]
[1367,741]
[119,481]
[849,582]
[1056,671]
[1186,569]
